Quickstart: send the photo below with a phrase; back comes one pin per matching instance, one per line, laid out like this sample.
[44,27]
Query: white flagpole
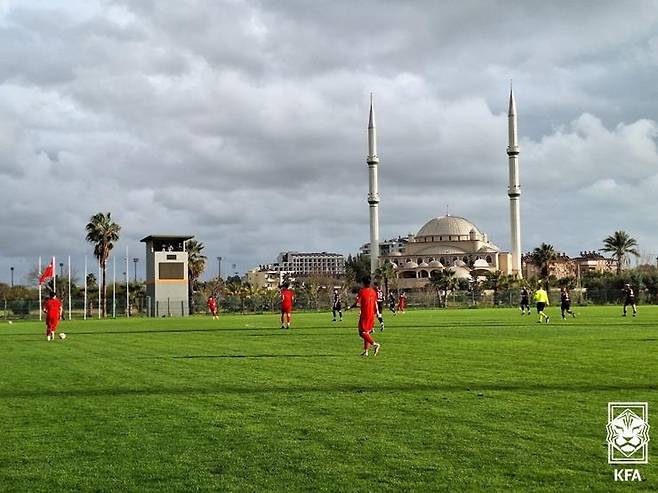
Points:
[69,287]
[40,306]
[114,287]
[84,316]
[127,286]
[54,276]
[98,281]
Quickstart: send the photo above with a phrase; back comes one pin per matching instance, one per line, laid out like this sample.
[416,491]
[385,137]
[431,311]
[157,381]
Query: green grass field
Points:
[457,400]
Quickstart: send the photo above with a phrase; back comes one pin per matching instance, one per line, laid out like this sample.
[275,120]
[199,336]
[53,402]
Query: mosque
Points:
[448,241]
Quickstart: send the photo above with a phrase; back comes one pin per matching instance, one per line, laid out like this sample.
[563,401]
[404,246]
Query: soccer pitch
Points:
[456,400]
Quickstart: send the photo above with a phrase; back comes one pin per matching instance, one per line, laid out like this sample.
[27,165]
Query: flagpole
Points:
[84,316]
[127,286]
[40,306]
[114,287]
[54,276]
[69,287]
[99,289]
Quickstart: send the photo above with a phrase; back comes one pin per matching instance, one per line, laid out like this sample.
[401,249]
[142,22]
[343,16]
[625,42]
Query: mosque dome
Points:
[461,272]
[411,265]
[423,265]
[481,264]
[436,264]
[448,226]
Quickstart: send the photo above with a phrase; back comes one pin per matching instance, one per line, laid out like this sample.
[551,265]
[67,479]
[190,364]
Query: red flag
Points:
[47,273]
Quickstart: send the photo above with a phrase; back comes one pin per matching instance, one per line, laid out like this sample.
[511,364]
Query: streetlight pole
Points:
[135,260]
[12,276]
[219,267]
[61,269]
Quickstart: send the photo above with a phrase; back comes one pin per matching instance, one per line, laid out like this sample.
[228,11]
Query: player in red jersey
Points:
[54,310]
[212,306]
[367,300]
[402,302]
[287,298]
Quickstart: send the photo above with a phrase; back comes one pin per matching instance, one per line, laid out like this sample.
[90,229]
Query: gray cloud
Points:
[243,122]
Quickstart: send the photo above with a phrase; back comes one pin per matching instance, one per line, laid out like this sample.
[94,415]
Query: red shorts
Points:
[286,309]
[366,324]
[51,324]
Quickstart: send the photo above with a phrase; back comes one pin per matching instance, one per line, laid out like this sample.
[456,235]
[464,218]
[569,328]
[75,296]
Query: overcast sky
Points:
[244,123]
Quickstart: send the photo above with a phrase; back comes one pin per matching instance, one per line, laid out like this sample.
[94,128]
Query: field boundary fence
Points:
[28,309]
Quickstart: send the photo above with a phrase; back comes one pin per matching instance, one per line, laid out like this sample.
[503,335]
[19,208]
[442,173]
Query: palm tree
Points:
[251,293]
[234,289]
[103,233]
[213,287]
[311,290]
[91,281]
[496,281]
[196,264]
[272,297]
[244,292]
[543,256]
[386,272]
[620,244]
[443,281]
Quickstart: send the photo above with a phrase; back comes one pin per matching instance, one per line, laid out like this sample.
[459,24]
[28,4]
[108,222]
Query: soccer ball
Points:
[10,322]
[62,335]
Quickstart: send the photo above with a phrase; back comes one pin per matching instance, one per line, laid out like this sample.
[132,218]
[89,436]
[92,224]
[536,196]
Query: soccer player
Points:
[565,303]
[212,306]
[367,300]
[54,311]
[402,302]
[541,299]
[337,305]
[287,299]
[525,301]
[629,299]
[380,305]
[391,302]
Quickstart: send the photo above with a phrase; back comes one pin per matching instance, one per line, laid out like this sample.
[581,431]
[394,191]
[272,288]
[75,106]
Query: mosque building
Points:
[447,241]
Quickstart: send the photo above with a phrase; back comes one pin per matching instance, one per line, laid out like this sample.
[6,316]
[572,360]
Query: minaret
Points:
[373,191]
[514,190]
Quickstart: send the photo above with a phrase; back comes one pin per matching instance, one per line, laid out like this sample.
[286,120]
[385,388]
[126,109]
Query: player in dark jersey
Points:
[337,306]
[629,299]
[380,305]
[524,305]
[391,302]
[565,303]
